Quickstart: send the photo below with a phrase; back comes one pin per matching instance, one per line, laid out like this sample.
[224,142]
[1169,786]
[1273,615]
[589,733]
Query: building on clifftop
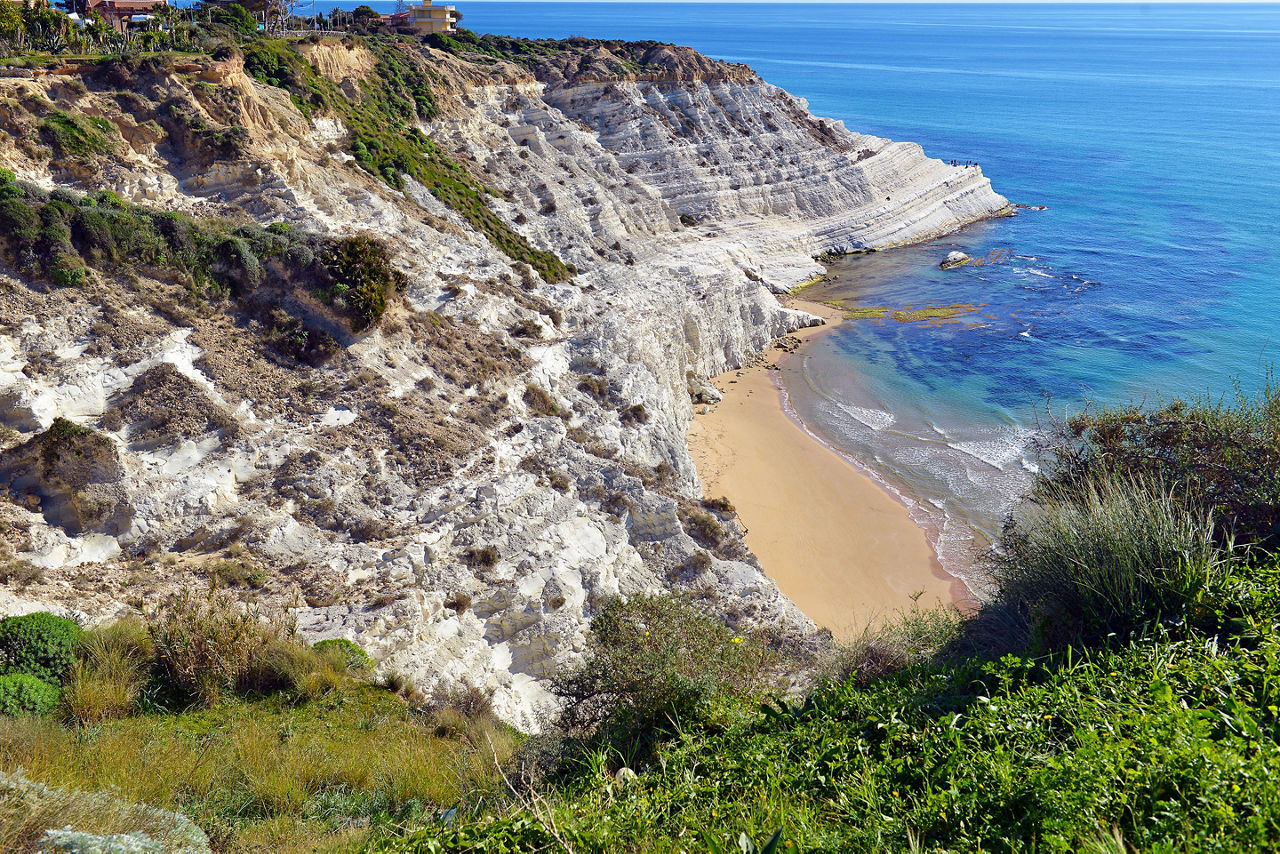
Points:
[434,19]
[123,14]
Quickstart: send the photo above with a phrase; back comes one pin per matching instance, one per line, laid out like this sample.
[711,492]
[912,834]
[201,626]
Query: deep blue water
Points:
[1150,132]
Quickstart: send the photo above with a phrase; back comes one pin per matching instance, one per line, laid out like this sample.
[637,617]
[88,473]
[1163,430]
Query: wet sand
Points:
[845,550]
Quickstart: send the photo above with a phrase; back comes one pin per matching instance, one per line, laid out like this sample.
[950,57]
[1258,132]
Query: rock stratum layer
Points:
[459,488]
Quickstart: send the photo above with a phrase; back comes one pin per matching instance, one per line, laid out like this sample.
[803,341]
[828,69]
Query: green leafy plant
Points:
[24,694]
[363,278]
[40,644]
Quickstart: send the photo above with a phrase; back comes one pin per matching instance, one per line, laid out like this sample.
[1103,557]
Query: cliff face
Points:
[415,489]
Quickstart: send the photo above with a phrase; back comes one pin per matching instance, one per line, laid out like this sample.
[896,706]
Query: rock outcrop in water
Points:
[460,487]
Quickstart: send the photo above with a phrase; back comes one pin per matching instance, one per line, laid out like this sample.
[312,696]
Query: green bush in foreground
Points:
[24,694]
[1171,736]
[38,644]
[655,664]
[1104,556]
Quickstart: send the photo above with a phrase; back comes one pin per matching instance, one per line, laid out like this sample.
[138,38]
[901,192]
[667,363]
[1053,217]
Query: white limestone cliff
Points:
[598,168]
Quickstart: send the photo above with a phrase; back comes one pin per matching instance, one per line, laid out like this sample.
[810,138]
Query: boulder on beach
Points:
[954,259]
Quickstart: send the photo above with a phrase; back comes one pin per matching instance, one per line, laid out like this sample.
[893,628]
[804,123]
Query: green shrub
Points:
[540,401]
[9,188]
[363,278]
[597,387]
[702,526]
[236,260]
[19,222]
[38,644]
[66,270]
[289,665]
[654,664]
[1222,455]
[24,694]
[77,137]
[274,63]
[92,236]
[237,17]
[355,658]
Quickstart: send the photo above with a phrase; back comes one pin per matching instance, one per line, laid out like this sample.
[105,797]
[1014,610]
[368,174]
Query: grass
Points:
[78,137]
[1099,558]
[266,773]
[1169,736]
[267,744]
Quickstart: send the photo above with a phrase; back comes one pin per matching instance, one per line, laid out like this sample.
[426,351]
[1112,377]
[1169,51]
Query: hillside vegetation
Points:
[222,713]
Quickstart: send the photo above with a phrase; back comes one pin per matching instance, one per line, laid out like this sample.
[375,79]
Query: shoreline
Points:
[837,543]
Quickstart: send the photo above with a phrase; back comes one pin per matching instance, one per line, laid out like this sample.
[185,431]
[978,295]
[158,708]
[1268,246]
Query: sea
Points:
[1148,133]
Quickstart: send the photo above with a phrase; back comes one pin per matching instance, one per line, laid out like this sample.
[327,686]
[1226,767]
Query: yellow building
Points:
[434,19]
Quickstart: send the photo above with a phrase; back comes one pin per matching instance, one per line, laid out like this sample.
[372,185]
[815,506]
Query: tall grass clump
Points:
[1095,557]
[208,646]
[104,683]
[891,644]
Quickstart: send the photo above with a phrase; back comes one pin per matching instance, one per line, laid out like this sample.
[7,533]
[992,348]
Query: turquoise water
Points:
[1151,134]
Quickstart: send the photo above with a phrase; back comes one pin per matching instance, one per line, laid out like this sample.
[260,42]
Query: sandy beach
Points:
[842,548]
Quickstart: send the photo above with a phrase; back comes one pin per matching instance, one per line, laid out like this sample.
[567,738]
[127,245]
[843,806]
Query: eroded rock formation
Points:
[461,487]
